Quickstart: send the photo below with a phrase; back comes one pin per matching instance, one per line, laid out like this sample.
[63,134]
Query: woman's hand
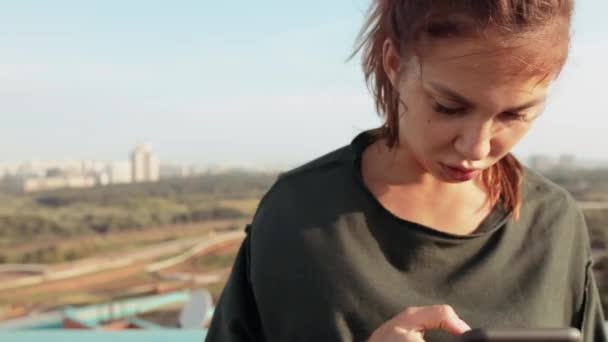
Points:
[410,325]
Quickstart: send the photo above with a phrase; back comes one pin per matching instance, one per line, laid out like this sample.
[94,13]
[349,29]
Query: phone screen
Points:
[522,335]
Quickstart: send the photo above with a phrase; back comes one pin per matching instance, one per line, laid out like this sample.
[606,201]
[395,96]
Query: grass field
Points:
[100,287]
[247,206]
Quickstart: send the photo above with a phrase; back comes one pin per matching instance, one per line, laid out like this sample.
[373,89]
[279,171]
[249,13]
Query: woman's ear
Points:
[391,61]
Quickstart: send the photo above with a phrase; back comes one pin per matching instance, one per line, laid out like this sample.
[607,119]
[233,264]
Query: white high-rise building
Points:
[144,164]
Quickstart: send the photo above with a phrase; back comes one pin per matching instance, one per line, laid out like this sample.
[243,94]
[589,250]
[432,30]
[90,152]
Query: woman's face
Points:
[466,105]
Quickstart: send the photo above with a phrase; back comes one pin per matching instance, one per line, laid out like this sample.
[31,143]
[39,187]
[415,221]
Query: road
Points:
[140,257]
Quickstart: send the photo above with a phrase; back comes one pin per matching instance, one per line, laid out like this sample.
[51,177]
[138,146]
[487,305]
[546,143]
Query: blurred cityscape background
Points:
[137,139]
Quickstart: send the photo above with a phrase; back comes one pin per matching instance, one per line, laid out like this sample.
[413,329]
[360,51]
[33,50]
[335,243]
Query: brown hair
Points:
[403,22]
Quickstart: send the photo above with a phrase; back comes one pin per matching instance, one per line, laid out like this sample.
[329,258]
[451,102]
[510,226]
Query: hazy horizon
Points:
[241,82]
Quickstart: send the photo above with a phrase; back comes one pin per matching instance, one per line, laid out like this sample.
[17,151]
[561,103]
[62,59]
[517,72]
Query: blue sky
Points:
[217,81]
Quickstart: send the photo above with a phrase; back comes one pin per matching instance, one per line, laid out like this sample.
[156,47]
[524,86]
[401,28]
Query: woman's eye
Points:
[514,116]
[439,108]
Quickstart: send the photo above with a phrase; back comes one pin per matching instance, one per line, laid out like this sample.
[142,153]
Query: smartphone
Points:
[522,335]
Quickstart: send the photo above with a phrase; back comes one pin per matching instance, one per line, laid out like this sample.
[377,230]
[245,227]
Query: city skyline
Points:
[141,164]
[125,158]
[34,176]
[175,167]
[87,80]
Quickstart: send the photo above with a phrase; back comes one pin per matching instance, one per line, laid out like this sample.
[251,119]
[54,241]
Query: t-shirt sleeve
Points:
[589,315]
[592,324]
[236,316]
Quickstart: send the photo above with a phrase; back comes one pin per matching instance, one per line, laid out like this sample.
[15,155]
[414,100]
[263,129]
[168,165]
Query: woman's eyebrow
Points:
[457,97]
[450,93]
[528,104]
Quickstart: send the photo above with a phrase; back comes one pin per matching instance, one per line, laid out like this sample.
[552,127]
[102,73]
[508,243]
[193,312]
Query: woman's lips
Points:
[459,174]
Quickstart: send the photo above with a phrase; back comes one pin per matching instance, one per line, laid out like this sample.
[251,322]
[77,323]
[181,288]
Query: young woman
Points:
[428,223]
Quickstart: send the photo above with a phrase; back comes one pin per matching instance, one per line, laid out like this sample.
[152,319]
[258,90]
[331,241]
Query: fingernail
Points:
[463,325]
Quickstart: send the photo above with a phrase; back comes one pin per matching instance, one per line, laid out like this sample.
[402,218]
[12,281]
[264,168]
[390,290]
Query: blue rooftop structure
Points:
[89,323]
[173,335]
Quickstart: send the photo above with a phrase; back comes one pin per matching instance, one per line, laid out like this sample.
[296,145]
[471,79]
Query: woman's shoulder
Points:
[328,166]
[336,158]
[301,200]
[538,189]
[550,211]
[306,186]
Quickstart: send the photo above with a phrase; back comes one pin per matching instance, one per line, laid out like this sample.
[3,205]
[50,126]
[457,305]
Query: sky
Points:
[204,81]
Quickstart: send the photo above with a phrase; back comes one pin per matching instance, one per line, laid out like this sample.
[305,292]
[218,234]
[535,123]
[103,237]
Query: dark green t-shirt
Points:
[325,261]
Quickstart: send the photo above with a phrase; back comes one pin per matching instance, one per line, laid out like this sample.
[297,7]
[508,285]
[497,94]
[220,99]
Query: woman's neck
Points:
[397,167]
[403,187]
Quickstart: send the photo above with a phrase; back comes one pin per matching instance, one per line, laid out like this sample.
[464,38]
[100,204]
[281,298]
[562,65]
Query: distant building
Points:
[172,171]
[7,170]
[144,165]
[541,162]
[92,167]
[567,162]
[3,171]
[50,175]
[59,182]
[31,168]
[119,172]
[102,179]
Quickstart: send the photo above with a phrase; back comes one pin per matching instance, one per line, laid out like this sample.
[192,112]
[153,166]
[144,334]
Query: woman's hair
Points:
[405,22]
